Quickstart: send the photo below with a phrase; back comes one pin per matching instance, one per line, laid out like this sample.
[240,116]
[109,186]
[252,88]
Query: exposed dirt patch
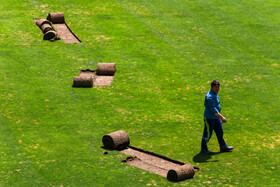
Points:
[65,33]
[62,28]
[57,20]
[149,162]
[103,80]
[103,76]
[171,169]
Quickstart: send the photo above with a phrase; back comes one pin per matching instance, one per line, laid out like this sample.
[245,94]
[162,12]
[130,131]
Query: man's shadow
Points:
[202,157]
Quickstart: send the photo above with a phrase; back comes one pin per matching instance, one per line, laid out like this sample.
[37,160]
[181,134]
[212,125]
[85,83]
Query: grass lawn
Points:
[167,52]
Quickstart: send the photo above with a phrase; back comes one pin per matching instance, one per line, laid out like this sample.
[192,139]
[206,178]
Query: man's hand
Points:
[223,119]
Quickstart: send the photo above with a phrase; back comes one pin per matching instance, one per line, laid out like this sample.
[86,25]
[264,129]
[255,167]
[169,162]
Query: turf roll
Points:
[181,173]
[49,35]
[116,140]
[82,81]
[56,17]
[106,69]
[41,22]
[46,27]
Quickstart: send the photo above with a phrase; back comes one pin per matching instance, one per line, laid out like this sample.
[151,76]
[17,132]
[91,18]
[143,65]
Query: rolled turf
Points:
[50,35]
[82,81]
[181,173]
[116,140]
[106,69]
[46,27]
[41,22]
[56,17]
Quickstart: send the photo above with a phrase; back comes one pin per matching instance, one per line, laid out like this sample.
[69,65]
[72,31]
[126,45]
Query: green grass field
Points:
[167,52]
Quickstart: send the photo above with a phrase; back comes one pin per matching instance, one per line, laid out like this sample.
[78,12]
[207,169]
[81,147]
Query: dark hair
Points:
[214,83]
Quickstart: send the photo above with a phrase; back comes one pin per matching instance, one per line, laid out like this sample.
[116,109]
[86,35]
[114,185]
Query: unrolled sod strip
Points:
[181,173]
[104,74]
[100,80]
[139,163]
[116,140]
[152,162]
[62,28]
[82,81]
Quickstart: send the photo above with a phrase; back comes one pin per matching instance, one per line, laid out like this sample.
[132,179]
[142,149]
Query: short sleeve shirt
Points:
[212,105]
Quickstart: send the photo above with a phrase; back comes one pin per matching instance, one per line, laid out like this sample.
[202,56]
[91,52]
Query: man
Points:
[212,120]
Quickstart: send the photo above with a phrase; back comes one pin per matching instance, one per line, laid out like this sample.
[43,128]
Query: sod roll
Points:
[46,27]
[181,173]
[116,140]
[41,22]
[50,35]
[106,69]
[56,17]
[82,81]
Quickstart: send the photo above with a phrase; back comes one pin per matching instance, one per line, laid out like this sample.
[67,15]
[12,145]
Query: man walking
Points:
[212,120]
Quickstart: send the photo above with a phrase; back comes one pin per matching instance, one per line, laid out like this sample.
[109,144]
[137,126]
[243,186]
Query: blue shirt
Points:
[212,105]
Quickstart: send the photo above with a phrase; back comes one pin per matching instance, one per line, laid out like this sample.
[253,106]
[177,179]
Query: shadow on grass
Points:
[202,157]
[108,149]
[105,148]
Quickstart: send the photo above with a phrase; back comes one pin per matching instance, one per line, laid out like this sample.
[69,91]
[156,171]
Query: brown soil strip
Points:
[65,33]
[57,20]
[103,80]
[149,162]
[62,28]
[103,76]
[136,162]
[171,169]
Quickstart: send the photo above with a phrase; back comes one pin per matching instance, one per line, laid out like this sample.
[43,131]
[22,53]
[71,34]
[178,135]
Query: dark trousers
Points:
[209,126]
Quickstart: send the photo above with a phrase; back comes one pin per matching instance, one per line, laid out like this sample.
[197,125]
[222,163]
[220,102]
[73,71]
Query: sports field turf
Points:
[167,52]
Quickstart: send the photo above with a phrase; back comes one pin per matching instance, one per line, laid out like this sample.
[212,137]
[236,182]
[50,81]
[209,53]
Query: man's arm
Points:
[215,110]
[224,120]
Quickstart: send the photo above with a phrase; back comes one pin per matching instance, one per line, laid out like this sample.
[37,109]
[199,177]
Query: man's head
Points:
[215,86]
